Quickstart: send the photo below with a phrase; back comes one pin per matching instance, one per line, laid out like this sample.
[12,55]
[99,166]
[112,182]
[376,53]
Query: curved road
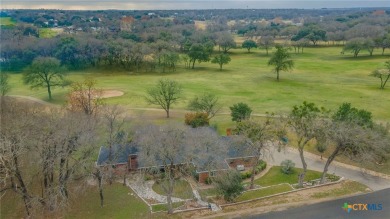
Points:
[315,163]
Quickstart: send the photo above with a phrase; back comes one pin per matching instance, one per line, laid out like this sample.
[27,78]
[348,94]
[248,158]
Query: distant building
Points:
[379,12]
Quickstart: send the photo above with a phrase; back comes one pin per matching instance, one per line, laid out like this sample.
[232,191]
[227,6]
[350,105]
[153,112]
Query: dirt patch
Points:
[111,93]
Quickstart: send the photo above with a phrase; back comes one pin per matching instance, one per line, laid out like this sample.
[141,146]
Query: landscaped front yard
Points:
[275,176]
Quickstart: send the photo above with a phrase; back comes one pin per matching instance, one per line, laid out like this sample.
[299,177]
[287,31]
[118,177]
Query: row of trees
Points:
[356,45]
[160,50]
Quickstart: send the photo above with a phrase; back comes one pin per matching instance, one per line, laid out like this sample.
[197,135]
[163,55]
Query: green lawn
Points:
[207,192]
[182,189]
[275,176]
[264,192]
[164,207]
[6,21]
[118,203]
[47,33]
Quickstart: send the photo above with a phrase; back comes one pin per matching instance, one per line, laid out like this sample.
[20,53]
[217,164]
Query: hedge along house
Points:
[207,156]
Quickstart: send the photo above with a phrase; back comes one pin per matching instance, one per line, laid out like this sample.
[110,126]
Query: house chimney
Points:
[228,132]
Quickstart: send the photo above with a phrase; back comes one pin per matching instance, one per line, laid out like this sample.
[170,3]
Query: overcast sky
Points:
[186,4]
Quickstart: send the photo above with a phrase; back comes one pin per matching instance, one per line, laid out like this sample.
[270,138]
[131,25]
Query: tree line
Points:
[152,43]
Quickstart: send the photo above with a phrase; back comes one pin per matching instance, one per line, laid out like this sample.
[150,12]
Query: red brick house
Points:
[125,158]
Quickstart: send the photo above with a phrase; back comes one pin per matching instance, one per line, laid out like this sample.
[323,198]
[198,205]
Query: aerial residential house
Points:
[126,158]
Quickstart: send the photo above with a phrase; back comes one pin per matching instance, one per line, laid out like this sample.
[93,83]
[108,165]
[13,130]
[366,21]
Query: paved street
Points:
[333,209]
[314,163]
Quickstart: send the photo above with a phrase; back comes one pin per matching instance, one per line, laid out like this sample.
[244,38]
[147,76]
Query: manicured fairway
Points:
[322,76]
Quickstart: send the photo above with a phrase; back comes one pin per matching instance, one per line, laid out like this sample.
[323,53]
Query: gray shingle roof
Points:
[232,149]
[120,154]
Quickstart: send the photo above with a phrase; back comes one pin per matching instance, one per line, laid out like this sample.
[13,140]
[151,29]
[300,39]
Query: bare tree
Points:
[114,125]
[206,149]
[85,97]
[13,151]
[49,149]
[165,93]
[164,147]
[206,103]
[266,42]
[225,41]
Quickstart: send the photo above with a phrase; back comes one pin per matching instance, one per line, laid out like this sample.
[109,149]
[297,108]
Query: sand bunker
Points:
[111,93]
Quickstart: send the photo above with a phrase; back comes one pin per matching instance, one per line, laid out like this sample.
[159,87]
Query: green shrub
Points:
[332,177]
[240,111]
[228,184]
[261,166]
[208,181]
[195,175]
[246,175]
[148,177]
[287,166]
